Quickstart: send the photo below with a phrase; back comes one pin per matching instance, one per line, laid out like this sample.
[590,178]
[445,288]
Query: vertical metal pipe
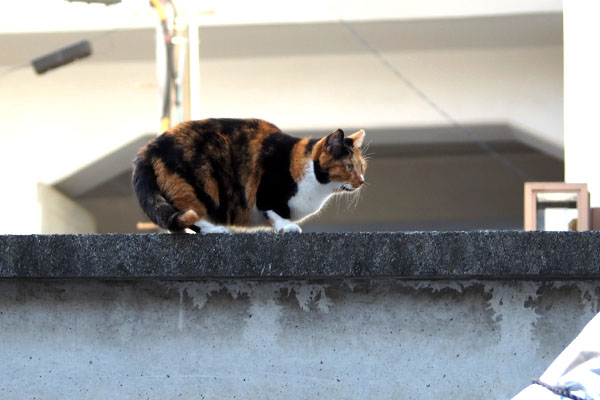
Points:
[194,53]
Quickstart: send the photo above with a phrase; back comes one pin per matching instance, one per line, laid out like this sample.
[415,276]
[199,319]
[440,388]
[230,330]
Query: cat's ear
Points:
[335,143]
[358,138]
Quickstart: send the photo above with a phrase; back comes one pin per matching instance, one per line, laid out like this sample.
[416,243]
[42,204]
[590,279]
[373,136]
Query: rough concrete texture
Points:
[456,255]
[349,339]
[259,316]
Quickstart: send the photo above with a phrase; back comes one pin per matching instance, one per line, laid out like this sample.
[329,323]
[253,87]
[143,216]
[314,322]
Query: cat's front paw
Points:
[213,229]
[220,229]
[290,227]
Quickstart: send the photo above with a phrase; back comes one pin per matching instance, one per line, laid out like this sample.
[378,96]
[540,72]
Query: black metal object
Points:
[62,56]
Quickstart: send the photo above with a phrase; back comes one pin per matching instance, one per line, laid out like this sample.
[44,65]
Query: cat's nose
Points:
[361,180]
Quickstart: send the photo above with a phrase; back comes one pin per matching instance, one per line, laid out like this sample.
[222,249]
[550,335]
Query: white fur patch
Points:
[309,199]
[311,195]
[282,225]
[207,227]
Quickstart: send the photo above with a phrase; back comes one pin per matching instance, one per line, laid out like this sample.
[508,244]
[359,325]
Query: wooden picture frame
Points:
[583,202]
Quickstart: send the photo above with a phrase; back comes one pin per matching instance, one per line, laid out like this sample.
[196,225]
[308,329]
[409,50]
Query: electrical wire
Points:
[428,100]
[12,69]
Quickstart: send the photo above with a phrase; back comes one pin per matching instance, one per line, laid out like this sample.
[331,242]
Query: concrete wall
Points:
[255,316]
[60,214]
[365,339]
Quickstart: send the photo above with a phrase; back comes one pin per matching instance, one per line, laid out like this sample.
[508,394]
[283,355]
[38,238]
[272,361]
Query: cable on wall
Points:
[427,99]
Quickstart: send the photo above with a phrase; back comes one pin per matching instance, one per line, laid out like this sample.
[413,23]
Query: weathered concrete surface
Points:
[259,316]
[431,255]
[351,339]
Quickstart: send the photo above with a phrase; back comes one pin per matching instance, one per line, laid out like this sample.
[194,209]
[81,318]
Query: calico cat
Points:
[206,175]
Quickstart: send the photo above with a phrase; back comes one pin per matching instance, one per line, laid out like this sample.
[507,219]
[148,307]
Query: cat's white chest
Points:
[311,195]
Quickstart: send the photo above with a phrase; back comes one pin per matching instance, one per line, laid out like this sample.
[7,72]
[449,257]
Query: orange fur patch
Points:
[188,218]
[318,148]
[211,187]
[326,160]
[177,190]
[337,172]
[298,159]
[357,138]
[266,127]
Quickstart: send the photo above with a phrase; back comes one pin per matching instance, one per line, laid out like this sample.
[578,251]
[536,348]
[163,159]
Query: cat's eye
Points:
[348,167]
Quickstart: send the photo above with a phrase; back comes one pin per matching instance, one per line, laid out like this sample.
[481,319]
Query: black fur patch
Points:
[335,144]
[321,174]
[310,145]
[148,194]
[277,186]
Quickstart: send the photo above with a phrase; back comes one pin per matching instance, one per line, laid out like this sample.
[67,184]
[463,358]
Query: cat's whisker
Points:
[364,150]
[366,146]
[352,199]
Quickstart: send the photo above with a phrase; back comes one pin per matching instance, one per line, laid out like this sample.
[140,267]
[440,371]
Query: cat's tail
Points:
[154,204]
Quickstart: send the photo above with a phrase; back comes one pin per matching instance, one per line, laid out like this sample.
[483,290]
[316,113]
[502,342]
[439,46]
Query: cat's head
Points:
[342,160]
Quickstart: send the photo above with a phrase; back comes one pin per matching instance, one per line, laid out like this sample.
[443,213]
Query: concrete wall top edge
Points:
[504,255]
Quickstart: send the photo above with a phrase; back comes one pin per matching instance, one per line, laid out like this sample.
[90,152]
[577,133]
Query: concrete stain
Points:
[286,297]
[219,309]
[24,292]
[428,309]
[559,307]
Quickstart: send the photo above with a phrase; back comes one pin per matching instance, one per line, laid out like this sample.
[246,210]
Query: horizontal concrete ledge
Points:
[419,255]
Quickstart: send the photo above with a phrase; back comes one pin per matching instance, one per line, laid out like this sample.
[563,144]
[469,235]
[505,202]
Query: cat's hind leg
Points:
[281,225]
[206,227]
[181,220]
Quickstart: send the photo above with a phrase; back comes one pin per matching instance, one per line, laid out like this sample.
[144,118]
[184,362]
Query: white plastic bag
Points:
[575,371]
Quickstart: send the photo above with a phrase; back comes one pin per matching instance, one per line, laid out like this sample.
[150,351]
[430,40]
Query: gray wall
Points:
[350,339]
[301,316]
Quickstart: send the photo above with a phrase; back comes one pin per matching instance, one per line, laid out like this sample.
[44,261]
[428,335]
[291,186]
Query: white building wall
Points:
[582,85]
[67,16]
